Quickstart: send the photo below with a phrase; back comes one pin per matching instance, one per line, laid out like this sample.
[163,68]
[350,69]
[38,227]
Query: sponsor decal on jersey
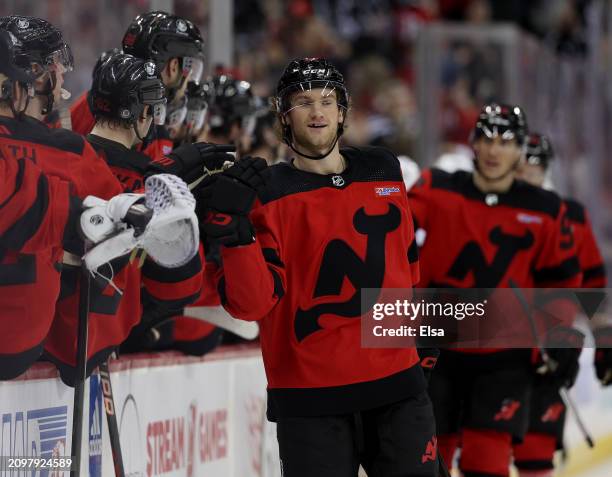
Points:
[528,218]
[386,191]
[37,432]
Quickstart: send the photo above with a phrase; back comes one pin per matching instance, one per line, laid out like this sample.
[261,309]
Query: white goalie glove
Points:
[161,221]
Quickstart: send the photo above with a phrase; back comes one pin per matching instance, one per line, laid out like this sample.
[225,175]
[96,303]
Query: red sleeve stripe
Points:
[28,224]
[595,277]
[565,270]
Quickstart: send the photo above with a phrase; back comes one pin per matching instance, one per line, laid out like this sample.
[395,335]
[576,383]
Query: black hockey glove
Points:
[563,346]
[603,354]
[192,161]
[234,190]
[429,358]
[230,230]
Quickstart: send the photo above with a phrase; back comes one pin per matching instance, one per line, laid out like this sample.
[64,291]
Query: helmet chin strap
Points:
[48,93]
[289,142]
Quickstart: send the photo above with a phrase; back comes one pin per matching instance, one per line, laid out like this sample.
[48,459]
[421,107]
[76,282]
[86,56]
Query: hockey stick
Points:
[217,316]
[552,365]
[443,470]
[111,418]
[81,373]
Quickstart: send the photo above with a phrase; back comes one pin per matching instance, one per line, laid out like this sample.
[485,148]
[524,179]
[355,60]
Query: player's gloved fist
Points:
[234,190]
[563,346]
[603,354]
[429,358]
[231,230]
[250,171]
[192,161]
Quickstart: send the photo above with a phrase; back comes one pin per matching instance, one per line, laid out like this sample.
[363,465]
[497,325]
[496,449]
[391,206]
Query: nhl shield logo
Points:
[23,23]
[181,26]
[149,68]
[338,181]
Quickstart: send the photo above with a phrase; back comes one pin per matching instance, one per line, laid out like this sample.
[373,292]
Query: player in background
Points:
[81,117]
[128,96]
[320,225]
[502,229]
[35,58]
[534,456]
[229,117]
[231,110]
[175,45]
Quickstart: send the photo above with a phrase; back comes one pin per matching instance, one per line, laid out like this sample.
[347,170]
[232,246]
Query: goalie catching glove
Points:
[225,200]
[162,222]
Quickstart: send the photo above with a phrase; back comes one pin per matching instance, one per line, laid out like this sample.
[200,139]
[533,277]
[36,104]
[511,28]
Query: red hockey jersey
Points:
[112,315]
[589,256]
[478,240]
[80,115]
[36,212]
[30,283]
[320,240]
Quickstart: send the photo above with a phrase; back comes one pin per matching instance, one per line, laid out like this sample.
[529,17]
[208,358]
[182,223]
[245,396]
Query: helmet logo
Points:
[125,113]
[149,68]
[338,181]
[314,71]
[181,26]
[23,23]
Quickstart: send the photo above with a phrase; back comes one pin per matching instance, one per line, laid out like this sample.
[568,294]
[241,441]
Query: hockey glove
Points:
[193,161]
[162,221]
[429,358]
[603,354]
[233,191]
[563,346]
[230,230]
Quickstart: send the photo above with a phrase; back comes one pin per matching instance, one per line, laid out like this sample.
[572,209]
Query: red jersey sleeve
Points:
[418,199]
[80,115]
[556,265]
[172,288]
[589,256]
[34,209]
[252,277]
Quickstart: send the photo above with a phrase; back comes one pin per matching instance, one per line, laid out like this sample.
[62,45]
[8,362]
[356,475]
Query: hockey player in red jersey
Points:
[318,235]
[502,230]
[127,95]
[33,65]
[534,456]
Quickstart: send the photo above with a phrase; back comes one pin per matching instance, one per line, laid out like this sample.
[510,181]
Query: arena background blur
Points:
[418,70]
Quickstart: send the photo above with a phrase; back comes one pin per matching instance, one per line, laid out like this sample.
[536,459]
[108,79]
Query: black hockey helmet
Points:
[304,75]
[11,51]
[307,74]
[42,49]
[539,151]
[160,36]
[229,100]
[104,56]
[123,85]
[503,120]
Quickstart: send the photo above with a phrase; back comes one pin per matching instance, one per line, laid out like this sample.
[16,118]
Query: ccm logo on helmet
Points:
[314,71]
[218,218]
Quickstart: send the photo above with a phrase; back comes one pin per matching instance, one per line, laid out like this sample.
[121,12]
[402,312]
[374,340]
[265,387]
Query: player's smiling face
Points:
[314,116]
[496,156]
